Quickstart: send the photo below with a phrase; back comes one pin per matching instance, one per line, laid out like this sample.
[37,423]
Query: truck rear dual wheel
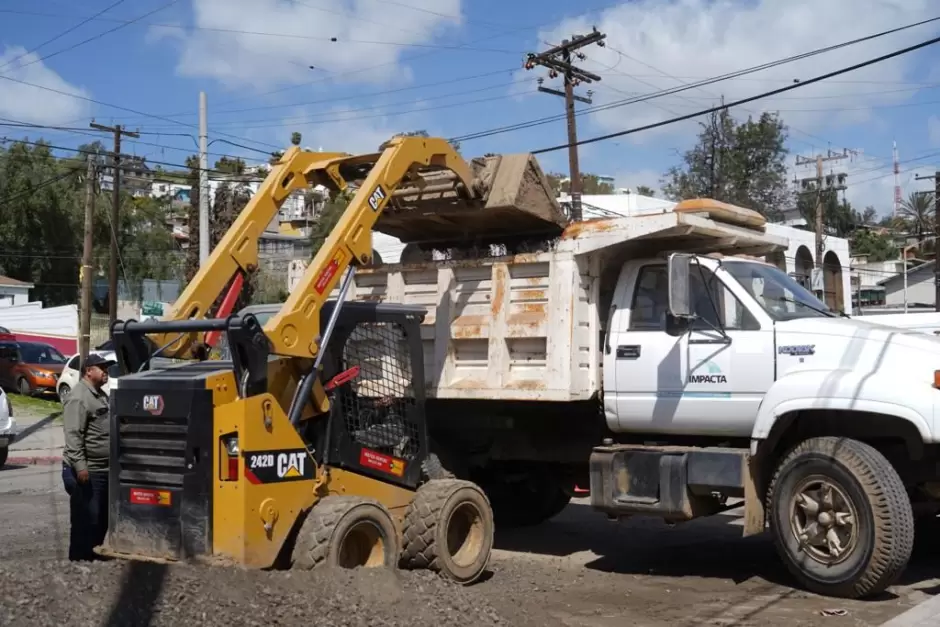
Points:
[840,517]
[448,529]
[346,532]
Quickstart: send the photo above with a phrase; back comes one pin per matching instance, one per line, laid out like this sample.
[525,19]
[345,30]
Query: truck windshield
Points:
[780,296]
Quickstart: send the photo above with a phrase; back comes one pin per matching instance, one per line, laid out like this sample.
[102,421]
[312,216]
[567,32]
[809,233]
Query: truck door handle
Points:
[628,352]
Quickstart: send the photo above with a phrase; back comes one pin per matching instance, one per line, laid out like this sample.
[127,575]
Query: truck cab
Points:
[724,379]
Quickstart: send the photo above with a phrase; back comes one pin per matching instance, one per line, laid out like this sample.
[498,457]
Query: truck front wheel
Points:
[840,517]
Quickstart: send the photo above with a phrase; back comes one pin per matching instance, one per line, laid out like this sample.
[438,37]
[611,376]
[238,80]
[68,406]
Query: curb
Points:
[48,460]
[924,614]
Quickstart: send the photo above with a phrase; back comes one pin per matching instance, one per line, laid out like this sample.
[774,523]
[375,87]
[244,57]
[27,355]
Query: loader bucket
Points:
[510,199]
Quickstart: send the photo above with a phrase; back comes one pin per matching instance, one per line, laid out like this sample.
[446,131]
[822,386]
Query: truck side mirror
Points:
[680,289]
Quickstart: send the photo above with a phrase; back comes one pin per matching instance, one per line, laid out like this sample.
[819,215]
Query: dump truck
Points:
[661,361]
[309,447]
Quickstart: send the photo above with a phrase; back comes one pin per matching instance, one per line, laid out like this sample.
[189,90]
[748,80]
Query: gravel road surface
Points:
[577,570]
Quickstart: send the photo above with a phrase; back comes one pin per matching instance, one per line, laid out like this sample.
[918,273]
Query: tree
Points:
[40,224]
[742,164]
[838,216]
[192,252]
[590,184]
[916,215]
[876,246]
[327,220]
[230,166]
[643,190]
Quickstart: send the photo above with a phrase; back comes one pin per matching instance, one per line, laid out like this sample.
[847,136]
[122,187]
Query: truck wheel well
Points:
[896,438]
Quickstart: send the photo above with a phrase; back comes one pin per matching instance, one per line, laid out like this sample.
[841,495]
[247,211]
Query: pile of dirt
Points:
[54,592]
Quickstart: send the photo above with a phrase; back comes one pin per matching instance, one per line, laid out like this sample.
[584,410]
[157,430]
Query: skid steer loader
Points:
[309,447]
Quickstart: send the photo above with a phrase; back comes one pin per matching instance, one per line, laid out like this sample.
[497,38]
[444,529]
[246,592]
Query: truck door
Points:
[696,380]
[730,361]
[646,363]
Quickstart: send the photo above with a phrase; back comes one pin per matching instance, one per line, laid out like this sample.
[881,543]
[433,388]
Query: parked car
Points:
[71,374]
[7,427]
[30,367]
[6,335]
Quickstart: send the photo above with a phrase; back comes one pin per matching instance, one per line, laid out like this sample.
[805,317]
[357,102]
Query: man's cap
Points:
[98,360]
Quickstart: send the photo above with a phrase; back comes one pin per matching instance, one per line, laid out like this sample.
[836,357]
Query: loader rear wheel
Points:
[840,517]
[448,529]
[346,532]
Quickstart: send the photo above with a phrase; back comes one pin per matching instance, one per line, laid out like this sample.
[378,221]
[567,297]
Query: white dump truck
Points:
[659,360]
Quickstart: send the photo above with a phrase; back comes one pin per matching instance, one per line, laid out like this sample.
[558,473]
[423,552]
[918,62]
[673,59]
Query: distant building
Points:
[920,287]
[14,292]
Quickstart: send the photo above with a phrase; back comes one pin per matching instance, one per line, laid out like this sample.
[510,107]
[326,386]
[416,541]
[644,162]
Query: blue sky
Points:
[454,67]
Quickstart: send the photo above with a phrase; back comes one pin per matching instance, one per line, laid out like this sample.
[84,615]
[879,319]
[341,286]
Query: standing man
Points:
[85,459]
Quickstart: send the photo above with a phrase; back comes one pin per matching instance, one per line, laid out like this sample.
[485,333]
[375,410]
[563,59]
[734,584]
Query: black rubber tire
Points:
[885,524]
[21,385]
[4,452]
[64,387]
[448,517]
[329,527]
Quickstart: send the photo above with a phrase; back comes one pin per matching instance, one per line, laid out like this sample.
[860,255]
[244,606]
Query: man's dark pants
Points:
[88,503]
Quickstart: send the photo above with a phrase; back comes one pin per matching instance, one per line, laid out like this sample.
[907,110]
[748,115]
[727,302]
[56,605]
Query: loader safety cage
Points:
[376,426]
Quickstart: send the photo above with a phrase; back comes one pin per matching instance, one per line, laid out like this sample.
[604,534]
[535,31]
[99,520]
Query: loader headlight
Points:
[231,445]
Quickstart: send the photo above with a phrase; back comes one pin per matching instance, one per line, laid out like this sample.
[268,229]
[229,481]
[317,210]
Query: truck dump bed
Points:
[531,326]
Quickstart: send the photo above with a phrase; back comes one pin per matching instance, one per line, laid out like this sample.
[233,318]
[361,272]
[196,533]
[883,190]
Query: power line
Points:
[100,35]
[280,35]
[688,86]
[62,34]
[760,96]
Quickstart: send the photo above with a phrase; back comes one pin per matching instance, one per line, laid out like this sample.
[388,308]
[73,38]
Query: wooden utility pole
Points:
[86,271]
[115,205]
[831,186]
[558,61]
[936,236]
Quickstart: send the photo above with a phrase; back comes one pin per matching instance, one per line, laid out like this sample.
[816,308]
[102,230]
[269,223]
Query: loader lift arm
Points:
[294,330]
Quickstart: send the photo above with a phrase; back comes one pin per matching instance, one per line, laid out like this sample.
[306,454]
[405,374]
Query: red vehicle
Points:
[6,335]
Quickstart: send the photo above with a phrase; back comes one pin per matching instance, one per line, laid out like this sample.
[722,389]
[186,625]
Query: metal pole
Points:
[85,321]
[904,261]
[203,181]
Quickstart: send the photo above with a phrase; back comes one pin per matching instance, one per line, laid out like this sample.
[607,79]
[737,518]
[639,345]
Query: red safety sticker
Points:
[140,496]
[385,463]
[327,275]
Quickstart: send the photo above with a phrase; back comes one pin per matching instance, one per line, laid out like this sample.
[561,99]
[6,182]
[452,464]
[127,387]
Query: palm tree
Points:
[917,214]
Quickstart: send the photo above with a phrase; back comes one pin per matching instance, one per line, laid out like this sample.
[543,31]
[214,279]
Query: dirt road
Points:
[577,570]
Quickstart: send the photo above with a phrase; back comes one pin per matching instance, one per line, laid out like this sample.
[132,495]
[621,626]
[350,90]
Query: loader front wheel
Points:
[448,529]
[346,532]
[840,517]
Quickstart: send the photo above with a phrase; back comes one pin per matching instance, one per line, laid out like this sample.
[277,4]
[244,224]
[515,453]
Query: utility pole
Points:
[558,61]
[115,206]
[86,272]
[203,181]
[833,184]
[936,236]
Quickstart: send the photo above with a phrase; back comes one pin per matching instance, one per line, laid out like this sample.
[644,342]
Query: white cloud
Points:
[256,61]
[695,39]
[32,104]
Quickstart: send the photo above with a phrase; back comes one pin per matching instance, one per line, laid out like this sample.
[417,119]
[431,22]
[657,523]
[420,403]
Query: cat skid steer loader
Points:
[310,445]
